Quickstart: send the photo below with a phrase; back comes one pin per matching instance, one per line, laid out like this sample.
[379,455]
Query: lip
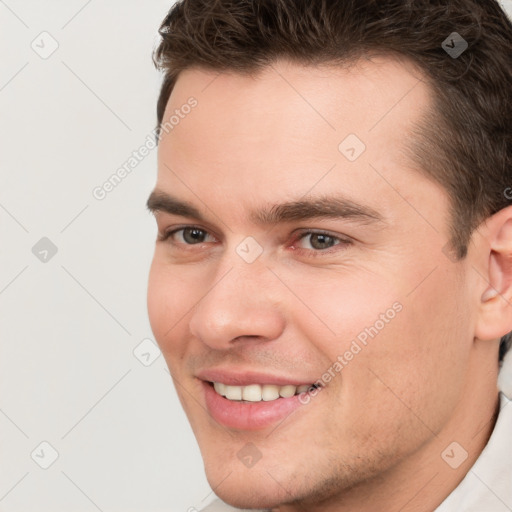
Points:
[245,378]
[247,415]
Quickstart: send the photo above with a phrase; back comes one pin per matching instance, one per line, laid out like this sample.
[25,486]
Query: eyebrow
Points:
[331,207]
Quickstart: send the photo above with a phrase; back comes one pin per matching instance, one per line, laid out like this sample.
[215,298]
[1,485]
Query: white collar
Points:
[487,487]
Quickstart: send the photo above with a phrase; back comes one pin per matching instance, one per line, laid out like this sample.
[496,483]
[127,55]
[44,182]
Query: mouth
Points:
[260,392]
[255,406]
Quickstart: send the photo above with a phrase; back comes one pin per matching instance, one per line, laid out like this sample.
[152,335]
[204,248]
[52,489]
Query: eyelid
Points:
[305,231]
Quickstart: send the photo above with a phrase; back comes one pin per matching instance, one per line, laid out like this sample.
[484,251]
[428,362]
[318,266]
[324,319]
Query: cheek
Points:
[168,300]
[437,327]
[158,301]
[398,348]
[414,367]
[336,306]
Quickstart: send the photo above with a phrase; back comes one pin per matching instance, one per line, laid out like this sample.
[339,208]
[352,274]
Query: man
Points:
[332,279]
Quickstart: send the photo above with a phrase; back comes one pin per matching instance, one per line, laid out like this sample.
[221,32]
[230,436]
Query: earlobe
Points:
[495,314]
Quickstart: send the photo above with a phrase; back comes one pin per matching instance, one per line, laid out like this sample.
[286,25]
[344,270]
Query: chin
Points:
[246,489]
[252,496]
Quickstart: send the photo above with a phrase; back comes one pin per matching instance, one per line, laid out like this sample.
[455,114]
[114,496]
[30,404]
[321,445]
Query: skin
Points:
[373,437]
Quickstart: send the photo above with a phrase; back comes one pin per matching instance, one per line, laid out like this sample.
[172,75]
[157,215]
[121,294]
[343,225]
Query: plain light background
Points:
[79,371]
[69,326]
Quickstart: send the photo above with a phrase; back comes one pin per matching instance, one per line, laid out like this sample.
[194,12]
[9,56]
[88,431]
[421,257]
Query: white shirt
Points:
[487,487]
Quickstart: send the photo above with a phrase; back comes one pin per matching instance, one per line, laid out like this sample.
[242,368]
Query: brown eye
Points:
[187,236]
[322,241]
[319,241]
[193,235]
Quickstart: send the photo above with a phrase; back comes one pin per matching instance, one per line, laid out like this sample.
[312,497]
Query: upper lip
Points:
[245,378]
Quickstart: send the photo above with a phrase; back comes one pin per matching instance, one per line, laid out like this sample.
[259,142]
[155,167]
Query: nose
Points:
[243,303]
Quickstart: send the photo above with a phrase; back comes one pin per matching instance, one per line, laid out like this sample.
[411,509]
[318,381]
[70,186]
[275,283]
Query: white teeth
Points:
[252,393]
[269,392]
[287,391]
[220,388]
[257,392]
[233,392]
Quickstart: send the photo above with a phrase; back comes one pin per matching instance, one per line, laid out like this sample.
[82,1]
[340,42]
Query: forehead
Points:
[291,129]
[356,95]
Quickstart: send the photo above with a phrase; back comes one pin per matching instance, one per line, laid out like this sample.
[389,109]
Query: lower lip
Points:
[248,415]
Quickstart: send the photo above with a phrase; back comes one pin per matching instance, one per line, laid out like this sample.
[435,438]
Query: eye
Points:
[319,242]
[188,235]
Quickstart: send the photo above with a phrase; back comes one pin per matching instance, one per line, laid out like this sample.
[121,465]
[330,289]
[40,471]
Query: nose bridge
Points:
[241,301]
[243,271]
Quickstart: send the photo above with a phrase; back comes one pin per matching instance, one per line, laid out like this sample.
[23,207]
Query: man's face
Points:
[281,297]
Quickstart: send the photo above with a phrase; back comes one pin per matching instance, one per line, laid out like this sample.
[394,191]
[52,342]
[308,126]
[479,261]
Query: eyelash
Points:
[341,244]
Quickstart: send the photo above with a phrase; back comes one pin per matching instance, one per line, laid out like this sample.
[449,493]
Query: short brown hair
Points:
[464,142]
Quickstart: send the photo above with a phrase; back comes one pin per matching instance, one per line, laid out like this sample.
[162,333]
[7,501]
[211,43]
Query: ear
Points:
[495,311]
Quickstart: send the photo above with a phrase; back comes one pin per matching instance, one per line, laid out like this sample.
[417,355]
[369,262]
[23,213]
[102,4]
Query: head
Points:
[333,210]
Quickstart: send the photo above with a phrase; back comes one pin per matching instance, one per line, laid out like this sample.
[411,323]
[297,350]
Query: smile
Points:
[259,392]
[254,406]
